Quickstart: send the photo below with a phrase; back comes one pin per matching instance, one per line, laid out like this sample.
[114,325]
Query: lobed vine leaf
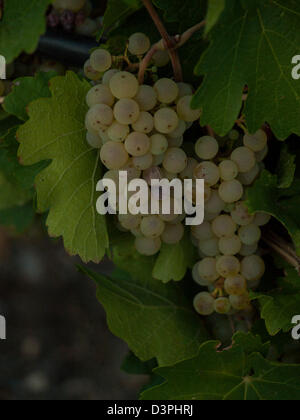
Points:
[117,11]
[67,188]
[155,320]
[254,46]
[21,26]
[214,10]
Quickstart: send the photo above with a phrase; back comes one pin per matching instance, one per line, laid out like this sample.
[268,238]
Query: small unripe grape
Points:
[228,170]
[175,160]
[256,142]
[144,124]
[241,215]
[240,303]
[130,221]
[100,116]
[224,226]
[101,60]
[235,285]
[159,144]
[204,304]
[179,130]
[231,191]
[139,44]
[209,247]
[113,155]
[152,227]
[137,144]
[248,250]
[244,158]
[203,232]
[126,111]
[173,234]
[230,246]
[166,120]
[209,172]
[108,75]
[161,58]
[143,162]
[185,111]
[222,306]
[158,159]
[249,177]
[118,132]
[166,90]
[146,97]
[234,135]
[147,246]
[261,219]
[207,148]
[175,142]
[196,276]
[215,204]
[124,85]
[100,94]
[228,266]
[207,270]
[253,268]
[260,156]
[250,234]
[90,72]
[93,140]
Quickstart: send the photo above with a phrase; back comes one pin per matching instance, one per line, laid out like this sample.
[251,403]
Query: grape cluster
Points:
[72,15]
[229,237]
[139,129]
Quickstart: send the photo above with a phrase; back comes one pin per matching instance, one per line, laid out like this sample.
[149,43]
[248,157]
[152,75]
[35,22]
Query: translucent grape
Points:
[152,173]
[147,246]
[207,270]
[99,117]
[132,172]
[139,44]
[184,89]
[240,303]
[161,58]
[130,221]
[188,172]
[173,234]
[231,191]
[248,250]
[101,60]
[244,158]
[185,111]
[113,155]
[166,90]
[250,234]
[175,160]
[175,142]
[179,130]
[93,140]
[241,215]
[222,305]
[108,75]
[126,111]
[228,170]
[143,162]
[249,177]
[159,144]
[207,148]
[261,219]
[90,72]
[87,28]
[165,120]
[209,247]
[215,204]
[227,266]
[204,304]
[196,276]
[100,94]
[124,85]
[235,285]
[256,142]
[209,172]
[230,246]
[152,227]
[144,124]
[137,144]
[253,268]
[224,226]
[158,159]
[118,132]
[260,156]
[146,98]
[203,232]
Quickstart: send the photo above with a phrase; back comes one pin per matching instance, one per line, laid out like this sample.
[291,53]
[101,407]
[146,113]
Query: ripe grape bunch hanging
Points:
[143,129]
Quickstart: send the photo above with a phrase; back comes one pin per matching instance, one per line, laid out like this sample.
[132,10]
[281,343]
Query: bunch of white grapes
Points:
[139,129]
[228,239]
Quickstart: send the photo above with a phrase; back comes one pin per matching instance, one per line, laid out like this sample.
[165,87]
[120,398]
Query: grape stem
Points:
[171,44]
[283,248]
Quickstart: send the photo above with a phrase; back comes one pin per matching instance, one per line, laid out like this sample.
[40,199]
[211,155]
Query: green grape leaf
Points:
[281,203]
[135,366]
[286,167]
[19,217]
[174,260]
[117,11]
[214,11]
[259,44]
[26,90]
[67,188]
[12,195]
[228,375]
[280,306]
[155,320]
[6,124]
[21,26]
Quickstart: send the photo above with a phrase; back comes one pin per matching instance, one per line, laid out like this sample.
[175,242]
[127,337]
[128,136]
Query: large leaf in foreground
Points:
[22,24]
[252,45]
[282,203]
[232,374]
[67,188]
[154,319]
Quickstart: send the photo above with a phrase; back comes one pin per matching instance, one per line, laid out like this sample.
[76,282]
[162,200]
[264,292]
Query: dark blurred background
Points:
[58,345]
